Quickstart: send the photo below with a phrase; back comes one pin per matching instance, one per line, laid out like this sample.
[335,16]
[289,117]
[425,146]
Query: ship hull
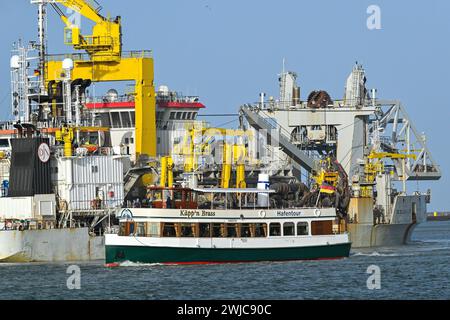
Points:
[177,255]
[53,245]
[384,235]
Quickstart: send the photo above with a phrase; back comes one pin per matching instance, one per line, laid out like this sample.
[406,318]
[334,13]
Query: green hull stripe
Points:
[141,254]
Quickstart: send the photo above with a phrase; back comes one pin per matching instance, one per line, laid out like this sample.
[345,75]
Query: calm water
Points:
[417,271]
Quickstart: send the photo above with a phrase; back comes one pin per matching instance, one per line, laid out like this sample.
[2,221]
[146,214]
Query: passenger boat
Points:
[216,225]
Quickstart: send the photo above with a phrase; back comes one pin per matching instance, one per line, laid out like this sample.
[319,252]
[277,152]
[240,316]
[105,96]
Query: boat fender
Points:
[317,212]
[262,214]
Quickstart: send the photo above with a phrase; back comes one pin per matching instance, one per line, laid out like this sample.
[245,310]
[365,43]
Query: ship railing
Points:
[92,207]
[86,57]
[105,99]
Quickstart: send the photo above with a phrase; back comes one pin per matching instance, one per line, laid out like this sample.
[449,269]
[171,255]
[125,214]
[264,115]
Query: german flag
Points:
[327,189]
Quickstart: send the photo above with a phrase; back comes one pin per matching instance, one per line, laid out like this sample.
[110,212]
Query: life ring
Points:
[262,214]
[317,213]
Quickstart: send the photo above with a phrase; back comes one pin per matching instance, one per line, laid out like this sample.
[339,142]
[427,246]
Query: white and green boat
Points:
[222,233]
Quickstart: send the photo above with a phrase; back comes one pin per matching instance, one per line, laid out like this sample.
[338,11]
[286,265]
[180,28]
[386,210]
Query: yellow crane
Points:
[105,62]
[234,153]
[105,42]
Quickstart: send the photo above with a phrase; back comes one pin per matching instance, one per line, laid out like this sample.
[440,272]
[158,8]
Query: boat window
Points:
[302,229]
[177,195]
[140,229]
[104,119]
[232,230]
[4,143]
[194,116]
[126,121]
[122,230]
[320,228]
[187,230]
[288,229]
[179,115]
[168,230]
[275,229]
[205,230]
[153,229]
[172,116]
[133,118]
[184,115]
[245,230]
[260,230]
[217,230]
[115,120]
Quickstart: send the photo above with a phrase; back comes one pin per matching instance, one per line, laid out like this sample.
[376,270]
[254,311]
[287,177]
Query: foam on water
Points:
[139,264]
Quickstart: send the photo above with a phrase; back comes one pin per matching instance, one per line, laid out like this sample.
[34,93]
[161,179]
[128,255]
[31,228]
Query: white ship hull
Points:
[54,245]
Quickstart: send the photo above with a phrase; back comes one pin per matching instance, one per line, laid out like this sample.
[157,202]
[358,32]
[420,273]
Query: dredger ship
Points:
[75,166]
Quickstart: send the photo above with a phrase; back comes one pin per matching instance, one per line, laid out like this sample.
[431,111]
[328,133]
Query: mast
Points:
[42,23]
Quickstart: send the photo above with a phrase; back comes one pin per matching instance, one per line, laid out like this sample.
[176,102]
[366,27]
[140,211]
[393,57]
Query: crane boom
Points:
[107,63]
[83,7]
[105,42]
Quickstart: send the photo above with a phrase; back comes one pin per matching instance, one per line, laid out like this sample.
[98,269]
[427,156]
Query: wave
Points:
[377,254]
[138,264]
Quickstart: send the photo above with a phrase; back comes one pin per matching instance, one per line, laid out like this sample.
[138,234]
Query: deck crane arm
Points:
[107,63]
[105,42]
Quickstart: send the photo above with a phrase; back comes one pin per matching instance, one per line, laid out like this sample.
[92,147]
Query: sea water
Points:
[420,270]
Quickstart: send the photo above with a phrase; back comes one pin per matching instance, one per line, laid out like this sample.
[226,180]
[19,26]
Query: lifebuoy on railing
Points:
[262,214]
[317,212]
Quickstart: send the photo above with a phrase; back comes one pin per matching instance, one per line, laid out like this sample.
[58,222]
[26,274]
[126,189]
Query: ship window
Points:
[187,230]
[126,121]
[168,230]
[231,230]
[194,115]
[94,169]
[105,120]
[172,116]
[179,115]
[115,120]
[122,229]
[302,229]
[205,230]
[260,230]
[320,228]
[153,229]
[275,229]
[217,230]
[288,229]
[133,118]
[246,230]
[140,229]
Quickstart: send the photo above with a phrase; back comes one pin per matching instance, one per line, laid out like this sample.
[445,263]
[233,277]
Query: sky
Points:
[228,51]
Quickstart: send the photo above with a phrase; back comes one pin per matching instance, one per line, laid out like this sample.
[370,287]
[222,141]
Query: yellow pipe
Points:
[163,178]
[170,172]
[226,166]
[66,135]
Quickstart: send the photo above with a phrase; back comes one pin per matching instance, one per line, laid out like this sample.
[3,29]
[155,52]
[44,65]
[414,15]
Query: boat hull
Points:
[177,255]
[52,245]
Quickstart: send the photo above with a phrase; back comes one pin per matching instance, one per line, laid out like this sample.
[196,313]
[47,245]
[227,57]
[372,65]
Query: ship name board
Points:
[197,213]
[289,213]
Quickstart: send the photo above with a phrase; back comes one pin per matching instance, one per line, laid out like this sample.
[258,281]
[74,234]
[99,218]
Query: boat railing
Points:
[85,57]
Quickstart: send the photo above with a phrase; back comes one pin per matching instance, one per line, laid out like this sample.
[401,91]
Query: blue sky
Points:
[229,51]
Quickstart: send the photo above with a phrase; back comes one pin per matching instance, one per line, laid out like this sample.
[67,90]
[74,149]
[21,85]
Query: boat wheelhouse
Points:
[196,226]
